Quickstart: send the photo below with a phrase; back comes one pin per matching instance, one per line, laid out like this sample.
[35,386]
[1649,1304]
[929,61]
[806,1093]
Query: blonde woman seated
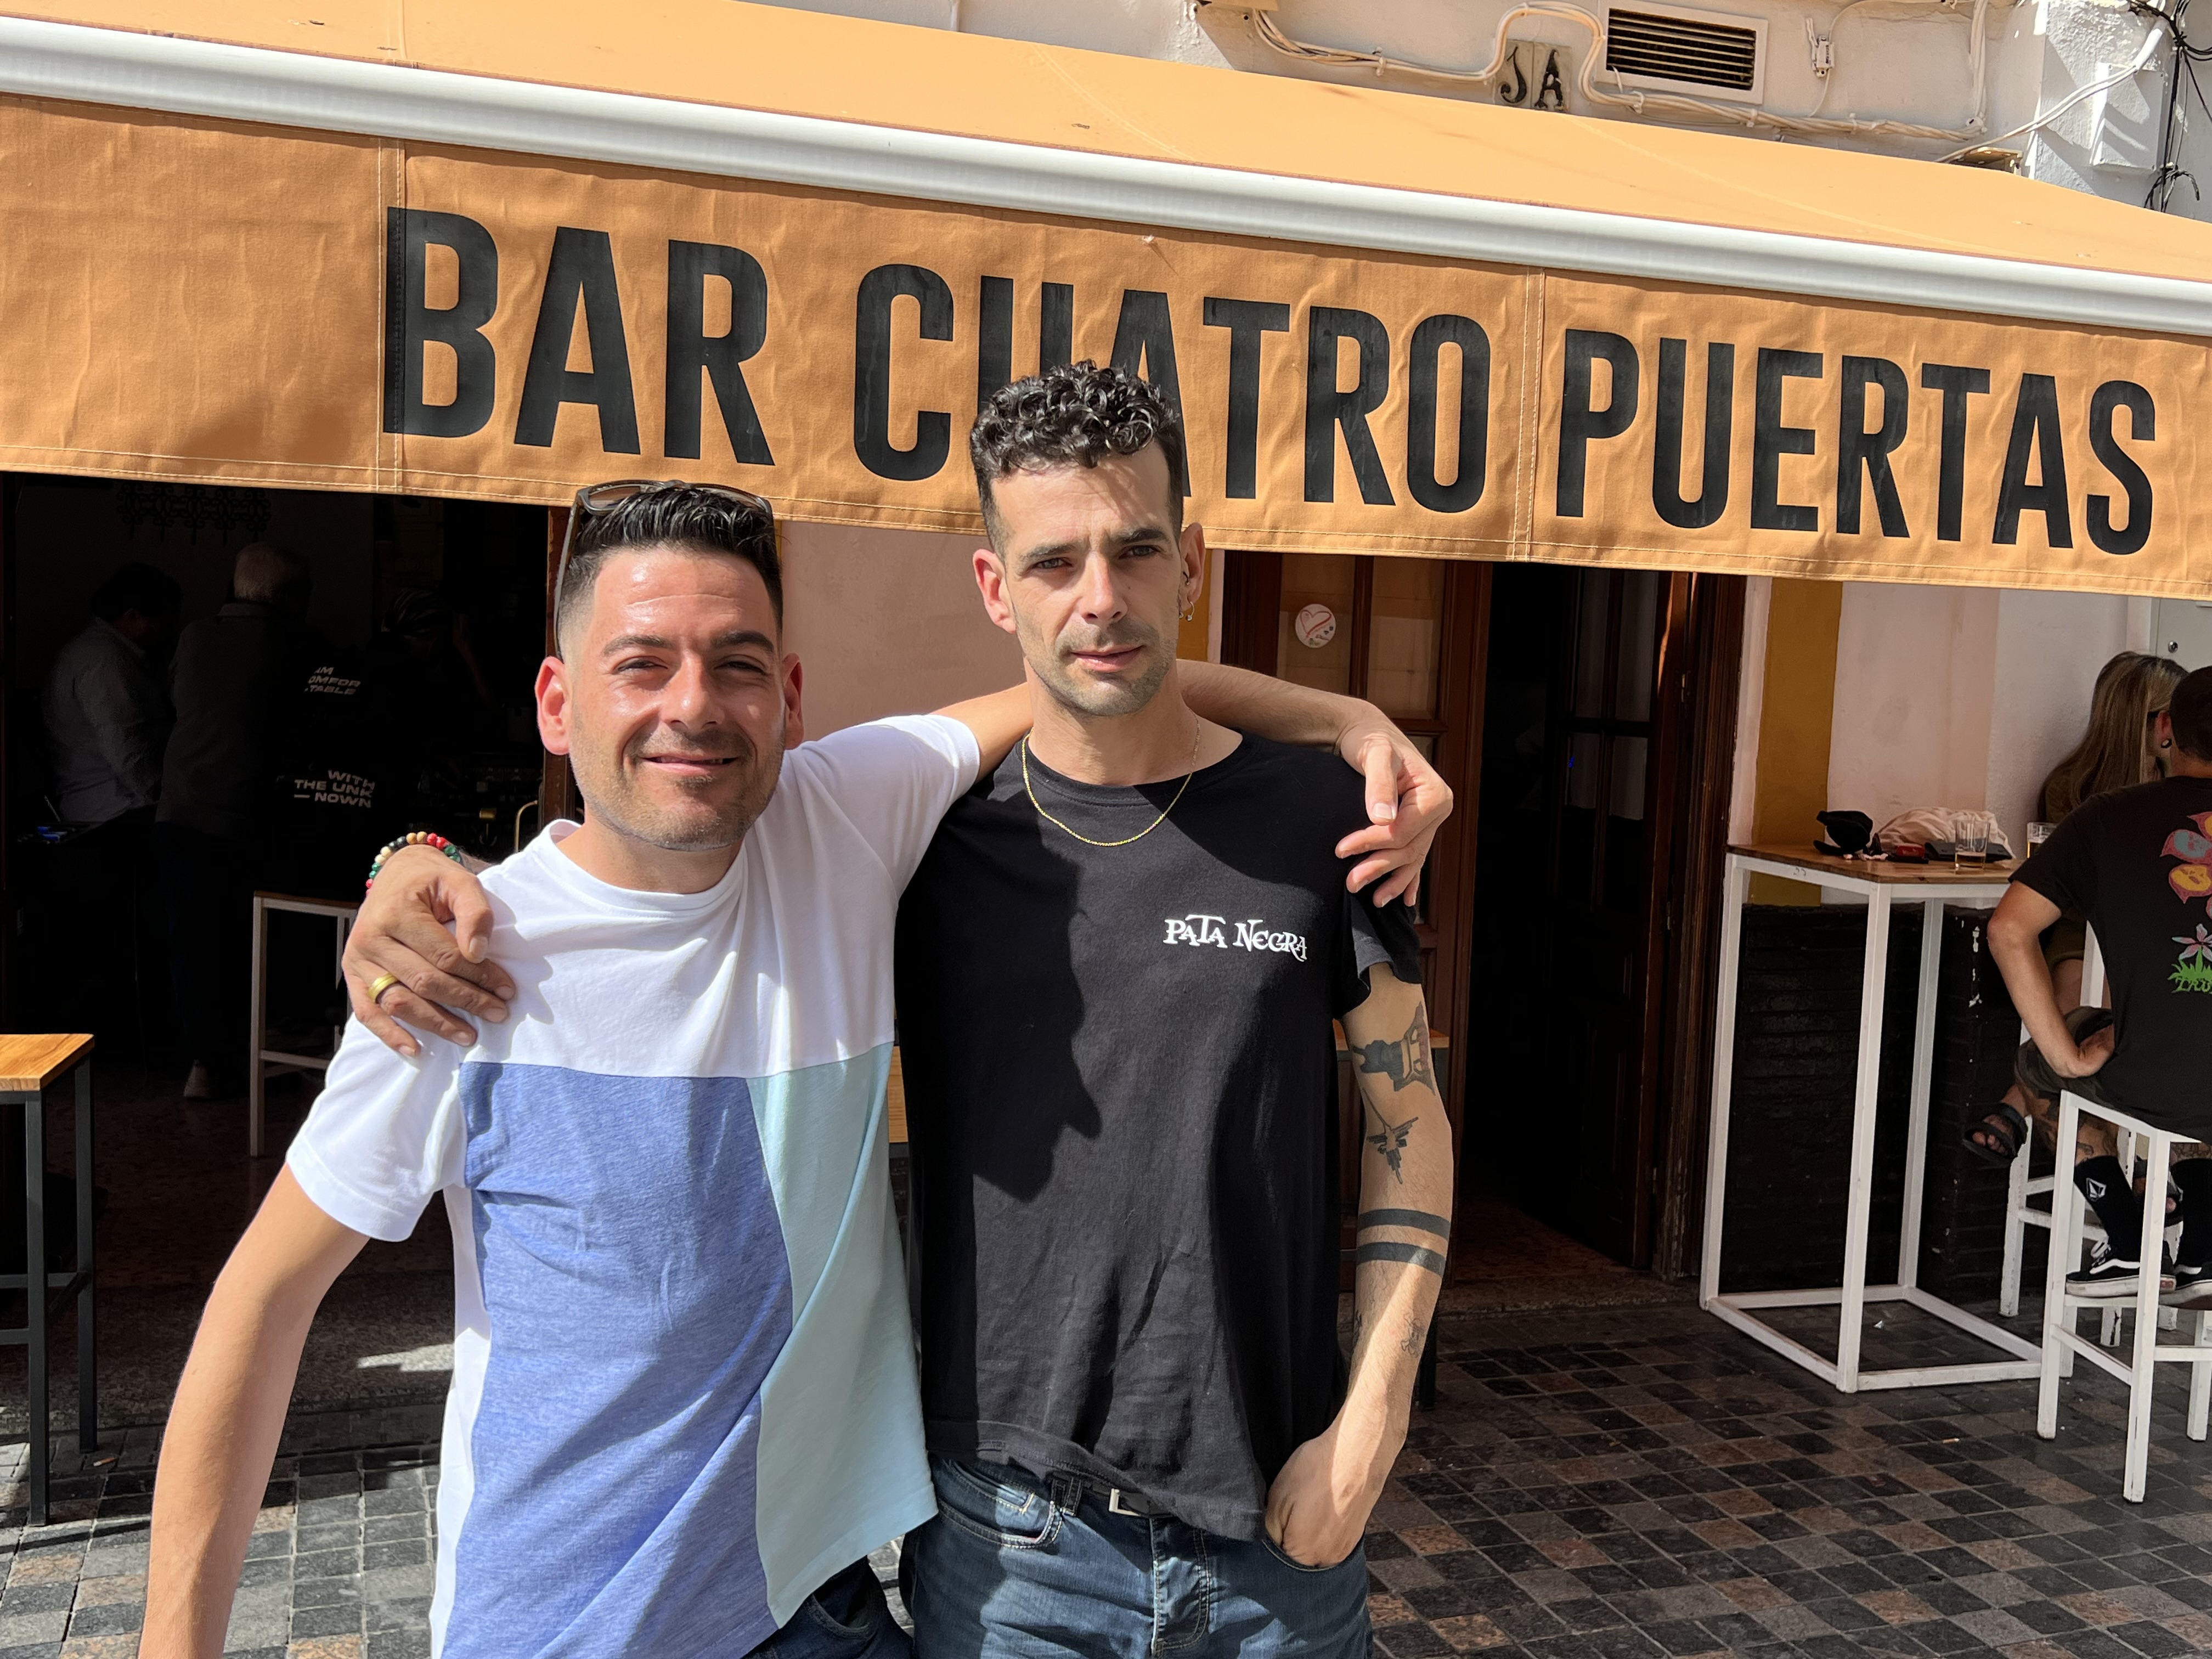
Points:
[2121,748]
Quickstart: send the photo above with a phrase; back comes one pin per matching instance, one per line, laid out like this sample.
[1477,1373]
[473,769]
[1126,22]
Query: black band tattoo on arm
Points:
[1418,1220]
[1405,1061]
[1391,1141]
[1386,1251]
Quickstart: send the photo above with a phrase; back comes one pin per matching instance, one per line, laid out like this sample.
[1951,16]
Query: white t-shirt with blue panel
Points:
[684,1390]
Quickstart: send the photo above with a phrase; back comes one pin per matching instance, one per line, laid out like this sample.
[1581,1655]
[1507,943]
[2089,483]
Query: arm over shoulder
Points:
[893,780]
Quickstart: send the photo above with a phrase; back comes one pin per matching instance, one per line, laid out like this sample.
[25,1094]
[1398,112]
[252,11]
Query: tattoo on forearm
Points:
[1383,1249]
[1389,1139]
[1405,1062]
[1415,1338]
[1418,1220]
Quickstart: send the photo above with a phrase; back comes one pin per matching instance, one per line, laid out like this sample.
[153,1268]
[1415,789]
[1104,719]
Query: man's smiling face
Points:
[673,701]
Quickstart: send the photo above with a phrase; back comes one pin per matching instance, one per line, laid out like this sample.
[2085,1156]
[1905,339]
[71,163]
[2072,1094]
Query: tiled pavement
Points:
[1648,1482]
[1622,1484]
[338,1568]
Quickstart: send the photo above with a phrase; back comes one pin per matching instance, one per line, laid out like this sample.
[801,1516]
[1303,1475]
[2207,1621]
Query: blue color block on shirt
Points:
[586,1191]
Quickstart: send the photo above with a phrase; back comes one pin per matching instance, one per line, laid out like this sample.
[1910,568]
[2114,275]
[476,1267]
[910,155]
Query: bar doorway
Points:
[1585,719]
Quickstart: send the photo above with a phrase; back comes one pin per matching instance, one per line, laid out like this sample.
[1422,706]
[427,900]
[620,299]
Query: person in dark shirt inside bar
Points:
[239,677]
[2138,863]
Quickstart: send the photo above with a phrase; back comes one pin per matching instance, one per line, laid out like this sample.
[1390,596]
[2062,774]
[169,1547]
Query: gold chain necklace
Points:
[1030,789]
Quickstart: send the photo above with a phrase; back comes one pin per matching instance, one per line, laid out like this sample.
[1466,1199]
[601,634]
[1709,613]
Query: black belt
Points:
[1119,1500]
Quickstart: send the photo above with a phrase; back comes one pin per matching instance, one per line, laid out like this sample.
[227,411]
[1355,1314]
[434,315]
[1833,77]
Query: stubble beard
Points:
[611,794]
[1048,658]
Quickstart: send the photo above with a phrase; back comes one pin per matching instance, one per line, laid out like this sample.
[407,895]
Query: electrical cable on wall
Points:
[1621,96]
[2169,172]
[1503,62]
[2044,118]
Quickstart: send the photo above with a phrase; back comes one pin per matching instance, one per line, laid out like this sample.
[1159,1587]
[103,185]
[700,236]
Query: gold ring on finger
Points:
[379,986]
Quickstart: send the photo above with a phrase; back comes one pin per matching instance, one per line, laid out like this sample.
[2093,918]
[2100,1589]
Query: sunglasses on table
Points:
[593,500]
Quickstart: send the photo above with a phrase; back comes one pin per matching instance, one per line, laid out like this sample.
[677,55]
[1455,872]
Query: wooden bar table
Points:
[1882,885]
[29,1067]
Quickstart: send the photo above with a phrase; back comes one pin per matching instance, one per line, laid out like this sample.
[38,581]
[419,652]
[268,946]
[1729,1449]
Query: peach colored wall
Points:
[887,622]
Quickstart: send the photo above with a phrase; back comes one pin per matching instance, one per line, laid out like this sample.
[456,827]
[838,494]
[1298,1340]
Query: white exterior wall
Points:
[1954,696]
[1897,60]
[886,622]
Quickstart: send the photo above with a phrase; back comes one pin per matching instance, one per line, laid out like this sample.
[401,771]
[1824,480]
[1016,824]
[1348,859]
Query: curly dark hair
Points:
[680,515]
[1072,415]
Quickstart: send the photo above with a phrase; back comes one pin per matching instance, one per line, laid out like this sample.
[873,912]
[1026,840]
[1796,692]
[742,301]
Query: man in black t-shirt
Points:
[2138,863]
[1116,968]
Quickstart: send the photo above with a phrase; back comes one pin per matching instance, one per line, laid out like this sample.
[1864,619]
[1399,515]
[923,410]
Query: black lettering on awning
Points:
[1143,345]
[1771,440]
[1578,422]
[2034,426]
[1330,409]
[1860,452]
[1246,321]
[2143,427]
[722,357]
[871,372]
[1719,434]
[581,271]
[1957,385]
[994,338]
[1423,370]
[410,324]
[1055,325]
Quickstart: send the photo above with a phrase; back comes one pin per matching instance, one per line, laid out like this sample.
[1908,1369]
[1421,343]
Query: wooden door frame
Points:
[1252,593]
[1709,687]
[557,784]
[1462,682]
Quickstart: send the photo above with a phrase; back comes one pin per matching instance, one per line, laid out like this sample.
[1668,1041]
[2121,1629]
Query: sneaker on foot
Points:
[2108,1275]
[2191,1283]
[197,1085]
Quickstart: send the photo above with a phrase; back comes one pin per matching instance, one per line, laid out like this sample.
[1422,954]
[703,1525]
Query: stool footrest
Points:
[61,1288]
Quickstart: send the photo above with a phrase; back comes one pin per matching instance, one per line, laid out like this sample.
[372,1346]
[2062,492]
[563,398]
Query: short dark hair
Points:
[688,516]
[2191,713]
[1072,415]
[137,588]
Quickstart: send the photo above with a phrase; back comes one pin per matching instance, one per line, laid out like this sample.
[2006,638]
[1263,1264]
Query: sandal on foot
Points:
[2005,1126]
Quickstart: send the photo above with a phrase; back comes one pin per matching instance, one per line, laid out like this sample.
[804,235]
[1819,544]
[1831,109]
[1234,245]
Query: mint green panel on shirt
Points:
[842,1465]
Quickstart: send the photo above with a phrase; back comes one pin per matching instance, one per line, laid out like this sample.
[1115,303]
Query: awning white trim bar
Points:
[248,83]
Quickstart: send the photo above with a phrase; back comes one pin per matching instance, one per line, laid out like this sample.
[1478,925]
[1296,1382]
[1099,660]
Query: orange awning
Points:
[486,248]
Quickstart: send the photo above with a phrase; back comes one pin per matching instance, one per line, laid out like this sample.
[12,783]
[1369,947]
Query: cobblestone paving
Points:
[339,1567]
[1634,1485]
[1625,1484]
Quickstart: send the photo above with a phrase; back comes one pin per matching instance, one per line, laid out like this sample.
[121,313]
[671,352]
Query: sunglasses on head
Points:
[593,500]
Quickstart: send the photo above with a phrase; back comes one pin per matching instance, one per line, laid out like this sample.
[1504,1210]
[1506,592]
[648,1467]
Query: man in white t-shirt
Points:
[684,1405]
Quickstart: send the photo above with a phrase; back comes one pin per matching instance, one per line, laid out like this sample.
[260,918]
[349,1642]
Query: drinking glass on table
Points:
[1970,840]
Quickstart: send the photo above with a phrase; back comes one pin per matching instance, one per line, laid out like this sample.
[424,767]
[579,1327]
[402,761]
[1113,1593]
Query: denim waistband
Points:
[1068,1488]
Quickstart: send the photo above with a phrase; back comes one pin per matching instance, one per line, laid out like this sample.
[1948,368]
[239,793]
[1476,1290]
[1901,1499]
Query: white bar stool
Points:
[2020,1213]
[2061,1341]
[262,1061]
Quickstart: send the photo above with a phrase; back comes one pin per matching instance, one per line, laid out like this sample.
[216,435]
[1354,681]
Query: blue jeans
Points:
[847,1618]
[1016,1565]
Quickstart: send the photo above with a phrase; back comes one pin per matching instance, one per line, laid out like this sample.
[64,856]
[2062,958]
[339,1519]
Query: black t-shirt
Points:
[1121,1088]
[2138,863]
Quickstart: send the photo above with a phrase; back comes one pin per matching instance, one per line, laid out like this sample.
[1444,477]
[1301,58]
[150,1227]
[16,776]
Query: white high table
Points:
[1931,886]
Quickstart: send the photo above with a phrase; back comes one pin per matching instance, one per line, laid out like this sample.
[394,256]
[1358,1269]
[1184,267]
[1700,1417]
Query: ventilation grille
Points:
[1684,49]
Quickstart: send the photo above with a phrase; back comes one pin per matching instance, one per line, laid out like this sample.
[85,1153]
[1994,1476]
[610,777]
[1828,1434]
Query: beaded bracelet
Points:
[412,838]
